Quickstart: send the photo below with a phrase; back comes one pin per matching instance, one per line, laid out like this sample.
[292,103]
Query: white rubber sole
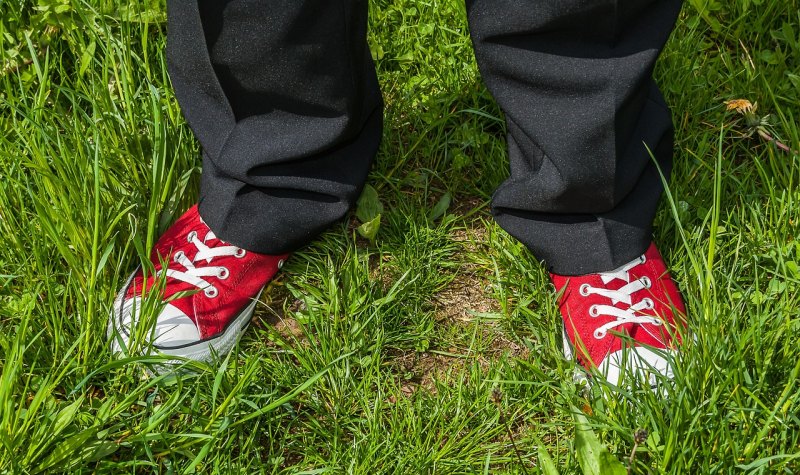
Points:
[205,350]
[636,366]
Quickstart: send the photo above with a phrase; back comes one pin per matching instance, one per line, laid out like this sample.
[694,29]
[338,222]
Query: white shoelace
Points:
[624,295]
[193,275]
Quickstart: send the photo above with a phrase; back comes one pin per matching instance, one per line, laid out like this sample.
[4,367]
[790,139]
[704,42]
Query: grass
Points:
[406,354]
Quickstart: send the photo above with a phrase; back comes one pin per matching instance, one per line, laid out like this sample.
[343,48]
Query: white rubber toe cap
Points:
[644,364]
[173,328]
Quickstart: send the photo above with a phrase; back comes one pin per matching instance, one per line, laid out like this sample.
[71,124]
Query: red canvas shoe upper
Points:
[207,279]
[639,300]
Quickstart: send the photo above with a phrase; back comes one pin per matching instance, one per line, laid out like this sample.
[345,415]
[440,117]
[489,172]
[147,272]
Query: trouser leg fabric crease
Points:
[283,97]
[574,78]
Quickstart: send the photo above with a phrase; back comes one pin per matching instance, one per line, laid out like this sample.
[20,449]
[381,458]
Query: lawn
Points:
[433,347]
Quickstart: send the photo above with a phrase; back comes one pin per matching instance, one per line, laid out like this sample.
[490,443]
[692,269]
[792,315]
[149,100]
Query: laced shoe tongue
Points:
[209,239]
[619,298]
[621,274]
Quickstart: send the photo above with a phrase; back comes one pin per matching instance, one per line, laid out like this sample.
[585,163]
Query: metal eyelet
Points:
[280,263]
[178,256]
[646,281]
[599,334]
[223,273]
[584,290]
[211,292]
[642,259]
[240,253]
[649,302]
[594,312]
[190,237]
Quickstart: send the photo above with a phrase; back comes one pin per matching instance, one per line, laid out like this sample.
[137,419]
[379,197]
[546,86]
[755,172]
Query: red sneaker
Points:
[210,292]
[625,321]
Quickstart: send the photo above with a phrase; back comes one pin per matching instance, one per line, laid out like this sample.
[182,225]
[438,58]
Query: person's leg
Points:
[284,99]
[583,113]
[574,78]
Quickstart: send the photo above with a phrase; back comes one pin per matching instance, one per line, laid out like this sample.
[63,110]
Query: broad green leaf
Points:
[99,450]
[103,259]
[794,79]
[66,416]
[593,456]
[368,205]
[86,58]
[405,58]
[377,51]
[65,448]
[792,267]
[441,207]
[545,462]
[370,229]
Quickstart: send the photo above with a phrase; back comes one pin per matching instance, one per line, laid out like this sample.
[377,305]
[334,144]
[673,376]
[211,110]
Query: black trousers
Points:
[284,99]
